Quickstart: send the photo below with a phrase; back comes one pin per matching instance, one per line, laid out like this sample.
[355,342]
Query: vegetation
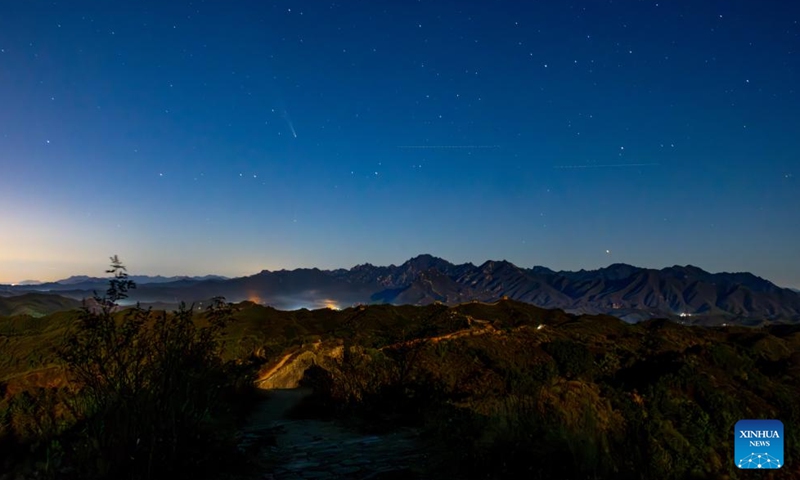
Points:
[147,395]
[36,304]
[585,398]
[501,390]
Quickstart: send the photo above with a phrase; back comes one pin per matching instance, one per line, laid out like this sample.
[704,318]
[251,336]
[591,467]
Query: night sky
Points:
[231,137]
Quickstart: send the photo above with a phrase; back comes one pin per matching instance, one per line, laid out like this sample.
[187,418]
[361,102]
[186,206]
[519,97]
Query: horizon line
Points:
[234,276]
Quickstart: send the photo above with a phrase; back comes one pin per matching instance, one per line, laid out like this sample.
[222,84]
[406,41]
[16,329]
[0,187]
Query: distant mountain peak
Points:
[425,257]
[539,270]
[426,261]
[620,270]
[620,266]
[74,279]
[496,264]
[363,266]
[688,269]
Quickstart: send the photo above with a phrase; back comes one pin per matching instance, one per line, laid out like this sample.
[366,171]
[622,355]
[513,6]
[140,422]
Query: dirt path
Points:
[314,449]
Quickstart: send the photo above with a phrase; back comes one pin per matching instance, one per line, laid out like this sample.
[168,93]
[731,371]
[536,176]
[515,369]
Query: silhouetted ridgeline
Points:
[624,291]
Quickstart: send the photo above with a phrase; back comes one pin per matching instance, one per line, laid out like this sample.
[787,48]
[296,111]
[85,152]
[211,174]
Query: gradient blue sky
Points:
[230,137]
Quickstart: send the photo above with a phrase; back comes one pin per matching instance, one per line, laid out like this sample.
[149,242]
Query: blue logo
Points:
[759,444]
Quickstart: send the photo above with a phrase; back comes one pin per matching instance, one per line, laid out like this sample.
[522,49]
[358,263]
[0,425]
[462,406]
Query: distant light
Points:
[331,305]
[540,327]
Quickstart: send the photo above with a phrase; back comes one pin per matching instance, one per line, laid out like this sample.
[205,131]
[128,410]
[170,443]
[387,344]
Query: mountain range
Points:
[139,279]
[625,291]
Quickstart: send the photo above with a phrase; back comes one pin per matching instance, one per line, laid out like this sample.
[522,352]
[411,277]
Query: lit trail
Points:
[271,371]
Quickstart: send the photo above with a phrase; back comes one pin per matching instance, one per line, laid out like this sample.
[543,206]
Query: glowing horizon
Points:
[545,133]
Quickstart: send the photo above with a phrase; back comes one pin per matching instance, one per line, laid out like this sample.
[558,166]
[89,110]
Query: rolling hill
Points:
[36,304]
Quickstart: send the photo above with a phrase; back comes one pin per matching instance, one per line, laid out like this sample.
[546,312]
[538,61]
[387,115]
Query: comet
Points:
[289,122]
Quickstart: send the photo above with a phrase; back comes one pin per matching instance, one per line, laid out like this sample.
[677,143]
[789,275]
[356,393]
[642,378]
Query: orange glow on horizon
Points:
[253,297]
[331,304]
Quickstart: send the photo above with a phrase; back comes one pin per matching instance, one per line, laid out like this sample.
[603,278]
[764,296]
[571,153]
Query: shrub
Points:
[573,358]
[150,385]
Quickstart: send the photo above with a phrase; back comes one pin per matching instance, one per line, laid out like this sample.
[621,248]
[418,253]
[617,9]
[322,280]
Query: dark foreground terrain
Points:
[292,446]
[502,390]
